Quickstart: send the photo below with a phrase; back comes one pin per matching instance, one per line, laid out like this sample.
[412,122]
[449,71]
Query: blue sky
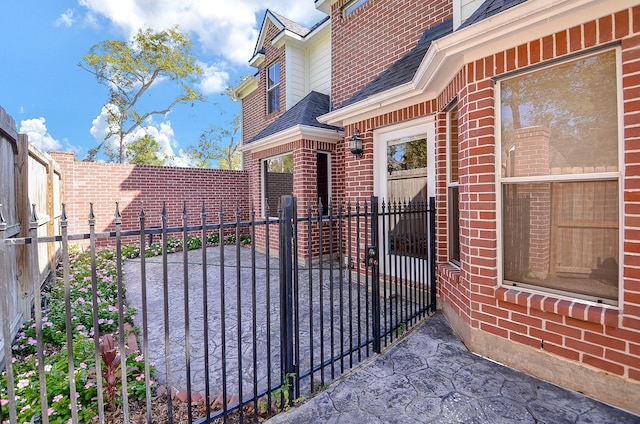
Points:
[60,105]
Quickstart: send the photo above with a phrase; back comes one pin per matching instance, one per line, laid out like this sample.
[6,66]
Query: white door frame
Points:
[419,128]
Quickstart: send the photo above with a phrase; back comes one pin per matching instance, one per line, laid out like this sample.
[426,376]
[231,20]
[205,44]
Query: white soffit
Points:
[295,133]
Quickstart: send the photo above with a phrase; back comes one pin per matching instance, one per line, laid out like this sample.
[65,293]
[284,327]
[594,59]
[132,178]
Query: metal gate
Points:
[234,330]
[380,283]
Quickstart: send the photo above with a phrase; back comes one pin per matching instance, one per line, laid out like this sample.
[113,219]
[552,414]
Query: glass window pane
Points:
[407,193]
[561,120]
[453,145]
[454,225]
[278,181]
[274,75]
[563,236]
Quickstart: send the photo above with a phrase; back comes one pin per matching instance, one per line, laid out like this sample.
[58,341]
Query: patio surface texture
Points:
[428,376]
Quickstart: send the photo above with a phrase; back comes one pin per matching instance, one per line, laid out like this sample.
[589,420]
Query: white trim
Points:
[528,21]
[617,176]
[298,132]
[424,127]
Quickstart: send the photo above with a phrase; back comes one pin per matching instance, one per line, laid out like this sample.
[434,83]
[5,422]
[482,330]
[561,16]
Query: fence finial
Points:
[203,210]
[184,208]
[118,215]
[63,217]
[91,215]
[142,209]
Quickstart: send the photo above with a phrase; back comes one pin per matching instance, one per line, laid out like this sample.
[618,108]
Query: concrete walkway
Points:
[430,377]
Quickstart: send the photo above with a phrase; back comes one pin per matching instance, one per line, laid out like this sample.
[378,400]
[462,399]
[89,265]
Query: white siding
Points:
[320,64]
[295,76]
[462,9]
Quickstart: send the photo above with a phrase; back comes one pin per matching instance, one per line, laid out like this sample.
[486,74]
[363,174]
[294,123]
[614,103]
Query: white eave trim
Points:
[324,6]
[245,88]
[256,60]
[298,132]
[528,21]
[286,36]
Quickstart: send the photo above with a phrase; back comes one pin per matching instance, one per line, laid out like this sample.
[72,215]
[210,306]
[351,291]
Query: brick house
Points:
[525,117]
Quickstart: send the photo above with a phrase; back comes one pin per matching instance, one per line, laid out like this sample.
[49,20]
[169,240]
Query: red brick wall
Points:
[107,183]
[372,38]
[603,337]
[254,106]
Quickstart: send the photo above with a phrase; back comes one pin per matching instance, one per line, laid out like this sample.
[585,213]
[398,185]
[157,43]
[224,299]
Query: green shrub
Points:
[55,342]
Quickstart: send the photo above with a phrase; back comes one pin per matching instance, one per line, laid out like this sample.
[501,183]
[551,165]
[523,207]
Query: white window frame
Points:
[450,183]
[263,183]
[352,6]
[273,87]
[602,176]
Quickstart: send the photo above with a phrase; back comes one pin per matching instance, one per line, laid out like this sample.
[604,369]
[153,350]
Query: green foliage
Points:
[130,69]
[213,238]
[218,146]
[245,239]
[145,151]
[193,242]
[55,345]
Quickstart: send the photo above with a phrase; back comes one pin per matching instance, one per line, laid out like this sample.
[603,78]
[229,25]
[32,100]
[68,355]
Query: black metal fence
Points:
[227,328]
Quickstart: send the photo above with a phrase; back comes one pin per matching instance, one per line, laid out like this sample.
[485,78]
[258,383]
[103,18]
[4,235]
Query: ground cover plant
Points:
[24,360]
[25,367]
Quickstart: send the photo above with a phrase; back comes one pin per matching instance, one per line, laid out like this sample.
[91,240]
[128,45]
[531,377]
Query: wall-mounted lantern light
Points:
[356,144]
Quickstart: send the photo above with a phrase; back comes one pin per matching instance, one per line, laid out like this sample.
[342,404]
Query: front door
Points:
[404,179]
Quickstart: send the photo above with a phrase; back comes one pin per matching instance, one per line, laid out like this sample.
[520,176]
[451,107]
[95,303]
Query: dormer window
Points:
[273,88]
[352,6]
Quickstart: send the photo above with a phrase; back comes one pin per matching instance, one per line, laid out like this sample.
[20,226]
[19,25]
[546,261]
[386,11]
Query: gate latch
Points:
[372,256]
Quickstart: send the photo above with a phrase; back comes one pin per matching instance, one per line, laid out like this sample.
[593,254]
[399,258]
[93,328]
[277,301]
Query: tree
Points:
[130,69]
[577,101]
[218,145]
[145,151]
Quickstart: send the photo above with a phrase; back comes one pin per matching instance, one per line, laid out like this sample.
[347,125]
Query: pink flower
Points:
[49,411]
[57,398]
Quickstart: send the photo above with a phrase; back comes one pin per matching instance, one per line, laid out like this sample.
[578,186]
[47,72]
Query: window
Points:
[407,182]
[273,88]
[323,180]
[352,6]
[277,181]
[560,179]
[452,186]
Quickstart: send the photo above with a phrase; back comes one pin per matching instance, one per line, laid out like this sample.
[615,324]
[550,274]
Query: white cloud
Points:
[36,130]
[162,133]
[226,28]
[65,19]
[215,79]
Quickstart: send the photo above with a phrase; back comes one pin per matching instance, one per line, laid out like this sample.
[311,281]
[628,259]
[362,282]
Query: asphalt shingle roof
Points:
[294,27]
[304,112]
[488,9]
[405,68]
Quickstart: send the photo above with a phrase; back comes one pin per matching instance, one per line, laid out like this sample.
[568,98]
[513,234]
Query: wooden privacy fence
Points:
[30,183]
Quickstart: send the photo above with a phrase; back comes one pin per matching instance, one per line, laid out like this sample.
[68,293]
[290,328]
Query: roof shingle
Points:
[304,112]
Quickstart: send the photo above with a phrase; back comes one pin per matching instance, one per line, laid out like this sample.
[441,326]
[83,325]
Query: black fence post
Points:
[372,260]
[432,252]
[286,287]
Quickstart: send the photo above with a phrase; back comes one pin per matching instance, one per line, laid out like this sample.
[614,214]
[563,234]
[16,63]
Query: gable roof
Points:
[403,69]
[282,24]
[294,27]
[302,113]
